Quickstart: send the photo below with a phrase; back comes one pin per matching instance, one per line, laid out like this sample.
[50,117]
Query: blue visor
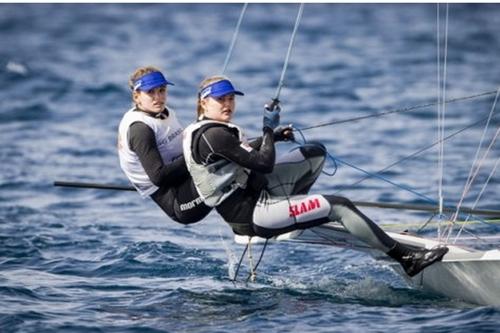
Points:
[219,89]
[151,81]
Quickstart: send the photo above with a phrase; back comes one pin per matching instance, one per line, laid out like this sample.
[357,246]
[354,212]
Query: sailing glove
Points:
[284,133]
[272,114]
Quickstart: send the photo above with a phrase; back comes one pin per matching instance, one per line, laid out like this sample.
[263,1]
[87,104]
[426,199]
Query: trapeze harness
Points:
[261,206]
[150,152]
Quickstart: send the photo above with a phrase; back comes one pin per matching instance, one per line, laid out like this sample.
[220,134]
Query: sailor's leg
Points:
[359,225]
[296,171]
[181,203]
[276,215]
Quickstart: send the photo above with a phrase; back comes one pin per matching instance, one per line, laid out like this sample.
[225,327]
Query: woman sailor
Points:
[150,149]
[233,177]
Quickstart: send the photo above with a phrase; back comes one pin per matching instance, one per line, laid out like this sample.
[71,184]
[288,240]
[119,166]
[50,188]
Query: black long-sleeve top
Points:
[214,142]
[142,141]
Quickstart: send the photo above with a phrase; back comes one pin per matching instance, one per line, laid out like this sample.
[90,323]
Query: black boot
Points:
[414,261]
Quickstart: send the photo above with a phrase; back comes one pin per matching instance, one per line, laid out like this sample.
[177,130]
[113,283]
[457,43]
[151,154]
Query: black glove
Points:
[272,114]
[284,133]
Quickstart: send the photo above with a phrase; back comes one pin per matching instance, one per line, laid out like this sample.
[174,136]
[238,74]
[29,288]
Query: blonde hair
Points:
[205,83]
[139,72]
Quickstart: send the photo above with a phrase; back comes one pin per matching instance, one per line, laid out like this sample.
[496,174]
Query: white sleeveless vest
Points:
[215,181]
[168,133]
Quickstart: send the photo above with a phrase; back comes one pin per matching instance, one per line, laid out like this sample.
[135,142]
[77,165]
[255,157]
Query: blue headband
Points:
[219,89]
[150,81]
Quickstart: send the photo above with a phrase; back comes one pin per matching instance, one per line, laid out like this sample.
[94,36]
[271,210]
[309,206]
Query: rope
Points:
[477,171]
[304,142]
[253,270]
[441,118]
[235,36]
[418,152]
[422,227]
[469,177]
[288,53]
[478,197]
[407,109]
[240,261]
[224,67]
[404,187]
[439,125]
[438,61]
[252,274]
[374,175]
[335,159]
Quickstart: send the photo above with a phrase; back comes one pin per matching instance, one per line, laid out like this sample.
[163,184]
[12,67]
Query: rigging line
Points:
[441,116]
[288,53]
[438,86]
[480,163]
[254,269]
[252,274]
[422,227]
[224,67]
[304,142]
[385,179]
[406,109]
[438,48]
[413,154]
[477,172]
[334,159]
[235,36]
[404,187]
[438,92]
[476,237]
[328,240]
[486,183]
[483,239]
[241,261]
[468,183]
[450,228]
[473,236]
[479,196]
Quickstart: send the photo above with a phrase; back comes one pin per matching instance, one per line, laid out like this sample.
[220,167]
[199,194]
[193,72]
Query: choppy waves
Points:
[83,260]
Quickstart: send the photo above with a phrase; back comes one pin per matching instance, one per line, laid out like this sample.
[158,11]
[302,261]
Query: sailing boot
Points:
[414,261]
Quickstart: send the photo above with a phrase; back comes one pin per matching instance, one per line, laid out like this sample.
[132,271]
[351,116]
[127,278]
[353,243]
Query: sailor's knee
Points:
[338,200]
[313,149]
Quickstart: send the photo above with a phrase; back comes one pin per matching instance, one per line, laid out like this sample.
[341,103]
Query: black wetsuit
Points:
[212,142]
[176,195]
[238,208]
[257,210]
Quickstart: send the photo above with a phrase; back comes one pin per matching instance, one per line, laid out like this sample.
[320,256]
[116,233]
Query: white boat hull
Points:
[472,276]
[465,274]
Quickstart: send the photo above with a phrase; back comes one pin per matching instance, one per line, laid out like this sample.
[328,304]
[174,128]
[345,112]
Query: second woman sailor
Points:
[233,176]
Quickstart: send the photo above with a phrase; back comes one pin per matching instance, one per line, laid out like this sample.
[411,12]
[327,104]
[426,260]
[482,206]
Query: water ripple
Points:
[85,260]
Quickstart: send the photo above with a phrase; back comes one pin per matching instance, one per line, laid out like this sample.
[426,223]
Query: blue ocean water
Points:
[84,260]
